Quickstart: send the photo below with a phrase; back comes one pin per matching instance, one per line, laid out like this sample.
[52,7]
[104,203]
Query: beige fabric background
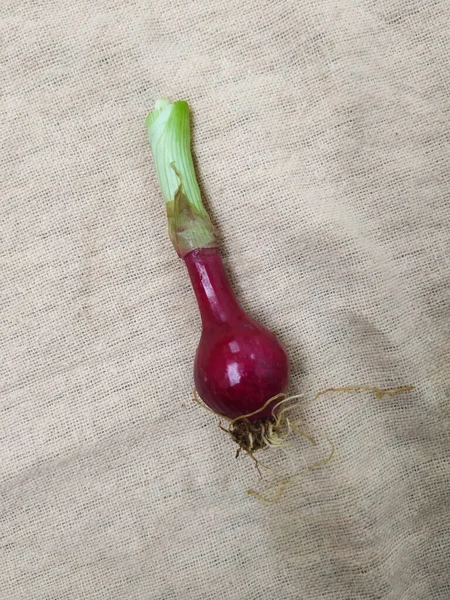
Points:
[321,132]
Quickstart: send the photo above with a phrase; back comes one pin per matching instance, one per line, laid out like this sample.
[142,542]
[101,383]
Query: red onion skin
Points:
[239,364]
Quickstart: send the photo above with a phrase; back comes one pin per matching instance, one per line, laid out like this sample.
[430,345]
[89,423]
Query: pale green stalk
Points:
[170,140]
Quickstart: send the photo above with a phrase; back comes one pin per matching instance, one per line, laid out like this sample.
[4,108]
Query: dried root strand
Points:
[278,494]
[281,487]
[380,393]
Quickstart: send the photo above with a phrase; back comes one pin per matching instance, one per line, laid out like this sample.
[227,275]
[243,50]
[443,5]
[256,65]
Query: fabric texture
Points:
[321,136]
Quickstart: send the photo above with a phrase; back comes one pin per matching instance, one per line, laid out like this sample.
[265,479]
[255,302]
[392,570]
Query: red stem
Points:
[215,297]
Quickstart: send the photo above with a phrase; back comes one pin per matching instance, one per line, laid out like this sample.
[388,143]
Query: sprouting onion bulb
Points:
[239,365]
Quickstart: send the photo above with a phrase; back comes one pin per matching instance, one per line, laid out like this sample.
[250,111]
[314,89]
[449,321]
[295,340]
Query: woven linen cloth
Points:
[322,142]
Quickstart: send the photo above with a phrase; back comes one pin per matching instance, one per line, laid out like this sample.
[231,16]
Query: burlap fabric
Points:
[321,134]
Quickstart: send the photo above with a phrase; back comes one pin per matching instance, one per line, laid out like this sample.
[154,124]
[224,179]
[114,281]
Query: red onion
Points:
[240,366]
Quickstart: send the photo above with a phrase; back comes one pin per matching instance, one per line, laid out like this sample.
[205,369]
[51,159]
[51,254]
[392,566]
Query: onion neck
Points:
[190,227]
[215,298]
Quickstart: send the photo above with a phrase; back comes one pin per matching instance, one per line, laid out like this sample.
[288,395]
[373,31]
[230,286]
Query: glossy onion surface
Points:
[239,364]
